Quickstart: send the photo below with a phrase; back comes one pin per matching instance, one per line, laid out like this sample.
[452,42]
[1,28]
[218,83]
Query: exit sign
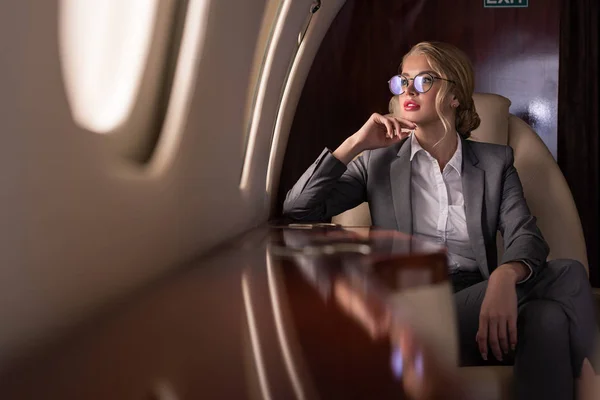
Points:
[505,3]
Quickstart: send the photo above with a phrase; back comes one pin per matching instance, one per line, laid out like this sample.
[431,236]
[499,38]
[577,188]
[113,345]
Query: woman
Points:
[435,184]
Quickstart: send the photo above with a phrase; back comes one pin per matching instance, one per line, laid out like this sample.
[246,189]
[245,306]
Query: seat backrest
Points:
[544,185]
[547,193]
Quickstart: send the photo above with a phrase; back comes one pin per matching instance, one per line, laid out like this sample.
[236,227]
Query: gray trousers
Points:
[556,328]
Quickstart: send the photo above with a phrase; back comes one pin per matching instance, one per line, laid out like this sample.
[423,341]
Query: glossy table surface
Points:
[282,312]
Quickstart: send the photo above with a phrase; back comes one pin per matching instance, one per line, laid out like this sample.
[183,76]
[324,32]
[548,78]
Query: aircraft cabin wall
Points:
[135,135]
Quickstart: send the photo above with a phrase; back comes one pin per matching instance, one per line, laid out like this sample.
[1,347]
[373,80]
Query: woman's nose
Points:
[410,89]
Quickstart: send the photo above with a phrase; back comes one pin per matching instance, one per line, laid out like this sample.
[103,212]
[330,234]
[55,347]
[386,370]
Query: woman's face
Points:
[413,105]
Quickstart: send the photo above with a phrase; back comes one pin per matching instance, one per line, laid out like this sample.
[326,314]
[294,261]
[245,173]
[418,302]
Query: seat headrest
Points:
[493,112]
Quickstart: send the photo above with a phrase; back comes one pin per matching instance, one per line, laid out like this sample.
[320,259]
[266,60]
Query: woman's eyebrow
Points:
[422,72]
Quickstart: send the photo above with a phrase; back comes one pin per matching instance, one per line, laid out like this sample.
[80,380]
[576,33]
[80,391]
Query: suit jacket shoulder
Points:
[489,154]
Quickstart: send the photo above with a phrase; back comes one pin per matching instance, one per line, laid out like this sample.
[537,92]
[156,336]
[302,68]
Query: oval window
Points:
[104,48]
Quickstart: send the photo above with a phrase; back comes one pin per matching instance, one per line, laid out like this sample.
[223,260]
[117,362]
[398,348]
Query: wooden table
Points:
[280,313]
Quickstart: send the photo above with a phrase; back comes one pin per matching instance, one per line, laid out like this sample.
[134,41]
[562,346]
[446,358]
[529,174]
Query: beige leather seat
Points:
[547,194]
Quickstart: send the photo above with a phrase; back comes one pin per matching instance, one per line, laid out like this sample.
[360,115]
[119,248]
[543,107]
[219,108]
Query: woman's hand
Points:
[382,131]
[498,316]
[379,131]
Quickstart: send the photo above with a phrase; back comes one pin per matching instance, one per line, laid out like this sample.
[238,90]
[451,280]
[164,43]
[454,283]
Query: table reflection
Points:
[348,295]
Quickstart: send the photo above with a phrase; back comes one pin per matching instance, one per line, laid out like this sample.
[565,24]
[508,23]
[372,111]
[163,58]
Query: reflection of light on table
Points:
[254,340]
[426,309]
[279,325]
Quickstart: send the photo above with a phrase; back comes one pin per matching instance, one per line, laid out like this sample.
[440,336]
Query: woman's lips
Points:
[411,106]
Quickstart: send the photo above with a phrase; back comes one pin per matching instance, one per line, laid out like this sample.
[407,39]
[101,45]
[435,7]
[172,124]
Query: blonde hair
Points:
[450,63]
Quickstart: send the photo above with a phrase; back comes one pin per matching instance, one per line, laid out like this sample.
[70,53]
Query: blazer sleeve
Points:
[327,188]
[523,241]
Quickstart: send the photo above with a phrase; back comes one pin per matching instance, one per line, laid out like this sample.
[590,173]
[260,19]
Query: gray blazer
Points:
[492,192]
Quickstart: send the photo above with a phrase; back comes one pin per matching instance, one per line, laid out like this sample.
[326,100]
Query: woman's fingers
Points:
[512,330]
[482,337]
[503,335]
[497,334]
[389,127]
[394,125]
[493,338]
[397,128]
[405,123]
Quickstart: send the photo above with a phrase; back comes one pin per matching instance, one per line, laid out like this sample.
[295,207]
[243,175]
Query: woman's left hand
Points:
[498,316]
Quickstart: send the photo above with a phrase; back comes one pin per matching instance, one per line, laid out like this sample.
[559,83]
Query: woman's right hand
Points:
[379,131]
[382,131]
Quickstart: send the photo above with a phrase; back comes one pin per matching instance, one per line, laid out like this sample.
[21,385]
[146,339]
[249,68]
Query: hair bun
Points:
[467,120]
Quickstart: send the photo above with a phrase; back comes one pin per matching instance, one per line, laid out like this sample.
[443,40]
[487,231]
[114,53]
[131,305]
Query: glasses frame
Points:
[433,78]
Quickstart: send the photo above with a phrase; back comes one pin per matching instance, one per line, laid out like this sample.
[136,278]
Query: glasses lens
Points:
[396,85]
[423,83]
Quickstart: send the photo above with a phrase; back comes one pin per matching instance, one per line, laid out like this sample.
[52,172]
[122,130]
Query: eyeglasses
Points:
[422,83]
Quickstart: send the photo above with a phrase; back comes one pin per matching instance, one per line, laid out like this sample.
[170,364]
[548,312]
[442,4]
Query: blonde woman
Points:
[435,184]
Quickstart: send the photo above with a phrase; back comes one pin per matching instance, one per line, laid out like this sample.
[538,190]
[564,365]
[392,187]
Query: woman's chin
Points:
[413,116]
[421,119]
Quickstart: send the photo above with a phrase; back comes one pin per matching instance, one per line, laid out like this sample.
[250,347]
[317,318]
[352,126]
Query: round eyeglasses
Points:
[422,83]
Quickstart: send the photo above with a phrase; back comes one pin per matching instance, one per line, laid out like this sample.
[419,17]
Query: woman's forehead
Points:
[414,64]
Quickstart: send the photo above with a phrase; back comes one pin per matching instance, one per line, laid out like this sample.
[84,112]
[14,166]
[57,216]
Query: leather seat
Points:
[548,197]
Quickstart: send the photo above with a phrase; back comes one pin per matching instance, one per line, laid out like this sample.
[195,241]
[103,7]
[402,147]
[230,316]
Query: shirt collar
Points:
[415,146]
[455,161]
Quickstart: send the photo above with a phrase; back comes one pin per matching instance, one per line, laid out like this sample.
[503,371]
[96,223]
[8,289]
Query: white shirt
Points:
[438,205]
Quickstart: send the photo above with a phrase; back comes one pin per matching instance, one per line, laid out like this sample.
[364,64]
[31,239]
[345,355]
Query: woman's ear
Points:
[454,103]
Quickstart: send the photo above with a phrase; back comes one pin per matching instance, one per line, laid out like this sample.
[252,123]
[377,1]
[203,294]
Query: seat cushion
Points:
[357,216]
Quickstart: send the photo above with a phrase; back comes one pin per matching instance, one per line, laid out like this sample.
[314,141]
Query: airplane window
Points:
[104,48]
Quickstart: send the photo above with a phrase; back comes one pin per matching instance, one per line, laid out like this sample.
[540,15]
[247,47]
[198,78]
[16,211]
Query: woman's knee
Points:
[543,319]
[568,268]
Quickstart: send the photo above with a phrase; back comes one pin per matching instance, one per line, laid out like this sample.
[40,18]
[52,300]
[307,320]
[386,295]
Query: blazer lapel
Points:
[473,180]
[400,170]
